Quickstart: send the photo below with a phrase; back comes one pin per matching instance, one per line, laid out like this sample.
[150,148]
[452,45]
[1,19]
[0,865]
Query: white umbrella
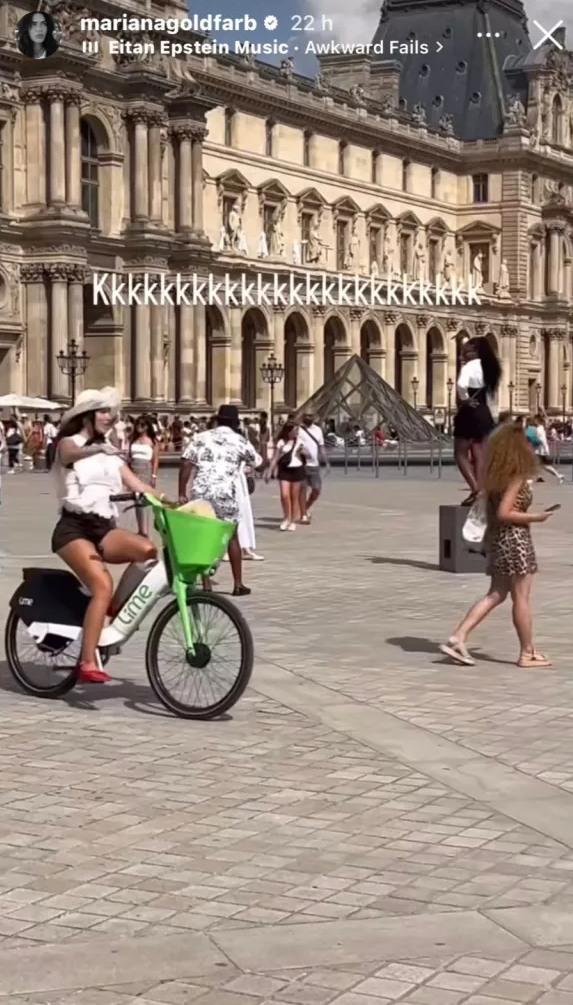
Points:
[32,404]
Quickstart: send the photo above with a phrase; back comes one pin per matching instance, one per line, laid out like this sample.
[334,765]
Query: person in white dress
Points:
[246,526]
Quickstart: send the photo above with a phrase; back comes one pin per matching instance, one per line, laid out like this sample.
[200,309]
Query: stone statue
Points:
[287,67]
[223,243]
[419,262]
[352,250]
[419,114]
[263,248]
[477,271]
[277,240]
[235,227]
[503,284]
[296,253]
[314,246]
[358,94]
[515,111]
[388,254]
[374,270]
[447,124]
[449,268]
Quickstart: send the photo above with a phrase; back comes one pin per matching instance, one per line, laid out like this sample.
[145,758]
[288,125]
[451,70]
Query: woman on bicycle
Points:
[89,470]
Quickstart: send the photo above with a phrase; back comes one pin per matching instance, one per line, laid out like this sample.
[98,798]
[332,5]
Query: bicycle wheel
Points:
[38,672]
[209,682]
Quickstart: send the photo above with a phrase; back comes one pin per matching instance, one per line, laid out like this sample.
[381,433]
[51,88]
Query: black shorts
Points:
[296,475]
[80,527]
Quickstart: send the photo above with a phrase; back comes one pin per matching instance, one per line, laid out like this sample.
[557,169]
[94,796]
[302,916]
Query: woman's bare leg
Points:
[236,560]
[495,596]
[84,560]
[122,546]
[286,501]
[478,452]
[295,489]
[522,617]
[462,453]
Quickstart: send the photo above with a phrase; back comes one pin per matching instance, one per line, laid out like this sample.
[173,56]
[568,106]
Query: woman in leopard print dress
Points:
[511,466]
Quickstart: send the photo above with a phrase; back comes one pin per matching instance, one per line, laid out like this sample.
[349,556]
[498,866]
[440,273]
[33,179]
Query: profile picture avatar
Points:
[38,35]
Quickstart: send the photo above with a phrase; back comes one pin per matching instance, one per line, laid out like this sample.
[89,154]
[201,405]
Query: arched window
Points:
[557,121]
[90,174]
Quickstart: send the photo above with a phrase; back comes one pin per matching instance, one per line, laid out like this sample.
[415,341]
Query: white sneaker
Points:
[285,525]
[291,526]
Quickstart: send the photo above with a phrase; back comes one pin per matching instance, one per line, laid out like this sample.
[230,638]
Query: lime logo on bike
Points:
[135,606]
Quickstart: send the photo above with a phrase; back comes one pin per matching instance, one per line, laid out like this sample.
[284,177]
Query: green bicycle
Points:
[199,653]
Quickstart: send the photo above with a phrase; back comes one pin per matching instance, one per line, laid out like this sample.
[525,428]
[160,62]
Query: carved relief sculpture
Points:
[503,284]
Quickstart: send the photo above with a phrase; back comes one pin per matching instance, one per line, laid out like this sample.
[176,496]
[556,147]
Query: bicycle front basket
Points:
[196,543]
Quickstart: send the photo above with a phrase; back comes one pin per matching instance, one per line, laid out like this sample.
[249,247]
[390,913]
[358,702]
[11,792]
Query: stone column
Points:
[200,355]
[377,360]
[390,322]
[57,179]
[155,179]
[184,195]
[422,321]
[235,388]
[36,380]
[453,326]
[305,383]
[409,368]
[157,386]
[73,151]
[318,339]
[278,347]
[553,374]
[141,352]
[36,157]
[355,326]
[537,279]
[58,384]
[554,271]
[221,362]
[141,165]
[185,355]
[440,376]
[197,173]
[78,275]
[567,274]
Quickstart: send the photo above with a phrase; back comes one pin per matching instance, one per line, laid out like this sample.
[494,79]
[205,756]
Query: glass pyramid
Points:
[357,394]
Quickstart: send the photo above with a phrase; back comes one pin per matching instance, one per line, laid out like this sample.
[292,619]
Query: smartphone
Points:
[551,509]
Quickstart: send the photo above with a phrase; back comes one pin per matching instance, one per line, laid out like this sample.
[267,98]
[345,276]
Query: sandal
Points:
[533,659]
[457,652]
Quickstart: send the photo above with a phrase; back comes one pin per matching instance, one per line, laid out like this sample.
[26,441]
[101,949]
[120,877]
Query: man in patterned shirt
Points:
[212,461]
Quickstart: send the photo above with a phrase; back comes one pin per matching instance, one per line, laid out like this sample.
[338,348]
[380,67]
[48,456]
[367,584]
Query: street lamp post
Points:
[564,401]
[538,393]
[450,387]
[511,389]
[415,383]
[73,364]
[272,372]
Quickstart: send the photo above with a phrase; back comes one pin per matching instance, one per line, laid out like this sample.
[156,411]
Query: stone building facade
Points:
[224,165]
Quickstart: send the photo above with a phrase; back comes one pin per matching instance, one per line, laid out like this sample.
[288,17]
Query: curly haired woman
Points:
[511,465]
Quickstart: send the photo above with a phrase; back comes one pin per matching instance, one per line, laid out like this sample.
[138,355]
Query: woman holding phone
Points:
[511,467]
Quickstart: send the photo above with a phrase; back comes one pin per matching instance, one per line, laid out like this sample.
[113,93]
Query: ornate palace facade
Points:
[443,168]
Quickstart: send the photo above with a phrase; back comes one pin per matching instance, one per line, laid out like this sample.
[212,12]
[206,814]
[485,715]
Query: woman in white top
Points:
[289,465]
[478,382]
[89,470]
[144,461]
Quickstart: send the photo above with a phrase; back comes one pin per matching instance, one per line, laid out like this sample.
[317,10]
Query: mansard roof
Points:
[466,79]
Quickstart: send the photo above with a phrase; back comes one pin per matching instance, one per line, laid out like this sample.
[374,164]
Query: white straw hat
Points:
[92,400]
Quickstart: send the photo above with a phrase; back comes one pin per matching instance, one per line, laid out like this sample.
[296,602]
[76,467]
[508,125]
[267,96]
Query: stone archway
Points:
[371,350]
[297,352]
[461,338]
[104,348]
[405,357]
[335,348]
[436,368]
[254,343]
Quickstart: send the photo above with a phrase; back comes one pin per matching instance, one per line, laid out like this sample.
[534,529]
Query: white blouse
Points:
[88,484]
[470,378]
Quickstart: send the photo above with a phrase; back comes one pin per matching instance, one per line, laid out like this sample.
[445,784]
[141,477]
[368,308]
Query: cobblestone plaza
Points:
[368,825]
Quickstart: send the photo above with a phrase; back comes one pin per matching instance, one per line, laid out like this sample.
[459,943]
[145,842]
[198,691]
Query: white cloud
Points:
[356,21]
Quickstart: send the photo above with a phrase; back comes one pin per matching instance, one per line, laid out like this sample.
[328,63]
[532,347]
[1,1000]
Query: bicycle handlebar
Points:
[120,497]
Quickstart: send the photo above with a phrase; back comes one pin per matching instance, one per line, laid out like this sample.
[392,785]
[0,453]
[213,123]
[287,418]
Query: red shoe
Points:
[90,673]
